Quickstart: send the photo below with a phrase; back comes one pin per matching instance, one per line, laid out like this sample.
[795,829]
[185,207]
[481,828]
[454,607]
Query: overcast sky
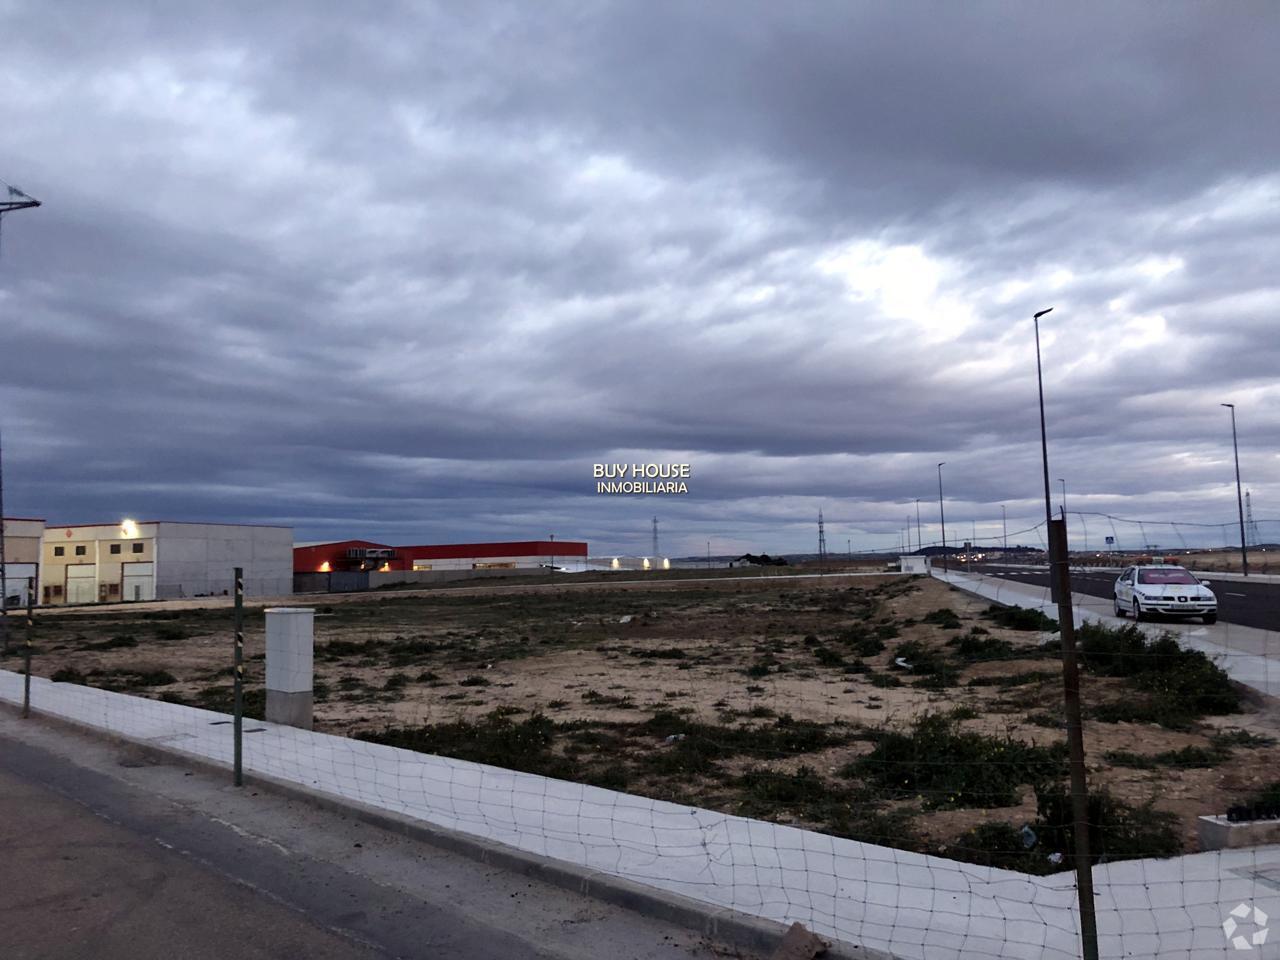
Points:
[407,270]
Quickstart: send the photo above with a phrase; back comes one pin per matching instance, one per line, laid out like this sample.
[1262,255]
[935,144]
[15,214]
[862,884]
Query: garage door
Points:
[16,575]
[82,583]
[139,581]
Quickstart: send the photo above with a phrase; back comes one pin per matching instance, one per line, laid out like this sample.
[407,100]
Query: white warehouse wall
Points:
[199,558]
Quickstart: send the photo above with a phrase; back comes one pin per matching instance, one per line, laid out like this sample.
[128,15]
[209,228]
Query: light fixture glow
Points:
[128,529]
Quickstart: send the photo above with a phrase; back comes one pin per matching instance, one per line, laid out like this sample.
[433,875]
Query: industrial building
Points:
[22,539]
[365,555]
[162,560]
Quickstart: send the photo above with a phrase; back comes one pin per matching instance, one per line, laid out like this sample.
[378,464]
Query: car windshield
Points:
[1165,575]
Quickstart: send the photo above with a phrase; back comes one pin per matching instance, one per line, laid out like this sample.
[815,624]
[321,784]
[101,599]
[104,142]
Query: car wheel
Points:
[1210,618]
[1119,609]
[1137,612]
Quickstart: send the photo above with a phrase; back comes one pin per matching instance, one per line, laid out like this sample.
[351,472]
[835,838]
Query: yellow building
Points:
[162,560]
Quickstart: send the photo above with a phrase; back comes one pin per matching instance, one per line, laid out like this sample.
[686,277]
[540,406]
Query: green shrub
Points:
[1021,618]
[494,739]
[884,680]
[1186,757]
[861,640]
[1014,679]
[999,844]
[827,657]
[1117,831]
[1178,686]
[931,666]
[120,641]
[950,767]
[943,617]
[771,788]
[761,667]
[976,647]
[1236,737]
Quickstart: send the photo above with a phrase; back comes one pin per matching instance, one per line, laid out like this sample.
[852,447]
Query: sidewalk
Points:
[1248,655]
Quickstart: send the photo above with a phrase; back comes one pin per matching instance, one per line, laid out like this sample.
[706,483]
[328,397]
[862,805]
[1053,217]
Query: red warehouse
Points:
[369,556]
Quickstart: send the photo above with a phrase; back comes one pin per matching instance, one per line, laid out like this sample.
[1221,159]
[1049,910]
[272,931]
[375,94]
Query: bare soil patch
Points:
[888,709]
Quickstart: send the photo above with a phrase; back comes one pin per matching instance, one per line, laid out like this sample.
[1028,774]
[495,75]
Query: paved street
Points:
[109,855]
[1249,604]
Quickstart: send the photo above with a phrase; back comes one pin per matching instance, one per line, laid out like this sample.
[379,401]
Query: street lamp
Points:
[1004,526]
[919,539]
[1235,446]
[1060,586]
[942,515]
[1064,497]
[1044,443]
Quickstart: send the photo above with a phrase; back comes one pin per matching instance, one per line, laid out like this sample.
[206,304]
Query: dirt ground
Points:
[768,697]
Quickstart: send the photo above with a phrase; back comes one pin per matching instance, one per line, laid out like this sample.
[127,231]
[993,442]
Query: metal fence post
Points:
[238,708]
[1061,571]
[26,652]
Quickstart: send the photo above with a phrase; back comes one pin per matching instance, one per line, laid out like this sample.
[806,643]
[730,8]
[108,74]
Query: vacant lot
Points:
[893,710]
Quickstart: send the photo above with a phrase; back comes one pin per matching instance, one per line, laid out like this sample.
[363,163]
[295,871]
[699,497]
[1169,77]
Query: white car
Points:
[1165,589]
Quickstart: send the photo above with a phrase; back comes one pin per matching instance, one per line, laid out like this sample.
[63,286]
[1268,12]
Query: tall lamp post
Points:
[14,199]
[1235,446]
[1044,443]
[942,515]
[1060,577]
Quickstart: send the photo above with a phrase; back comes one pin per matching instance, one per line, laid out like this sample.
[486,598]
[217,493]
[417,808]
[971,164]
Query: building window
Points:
[80,551]
[59,551]
[115,548]
[137,548]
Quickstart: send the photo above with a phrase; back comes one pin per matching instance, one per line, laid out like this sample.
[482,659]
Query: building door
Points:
[139,581]
[82,583]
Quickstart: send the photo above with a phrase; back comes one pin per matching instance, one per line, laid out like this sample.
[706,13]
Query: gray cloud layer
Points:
[410,271]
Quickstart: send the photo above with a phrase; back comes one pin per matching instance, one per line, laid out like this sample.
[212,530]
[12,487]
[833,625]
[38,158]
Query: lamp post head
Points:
[1231,405]
[1042,313]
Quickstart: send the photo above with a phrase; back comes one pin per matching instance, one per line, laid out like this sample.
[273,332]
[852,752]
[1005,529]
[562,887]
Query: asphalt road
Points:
[111,855]
[1239,601]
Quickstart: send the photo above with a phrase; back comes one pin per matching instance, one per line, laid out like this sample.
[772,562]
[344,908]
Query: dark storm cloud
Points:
[409,271]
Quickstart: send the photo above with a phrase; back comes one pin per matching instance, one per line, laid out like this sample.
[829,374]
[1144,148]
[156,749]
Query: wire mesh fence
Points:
[881,758]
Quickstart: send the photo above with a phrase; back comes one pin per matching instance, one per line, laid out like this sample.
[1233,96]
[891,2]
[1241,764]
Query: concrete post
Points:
[290,658]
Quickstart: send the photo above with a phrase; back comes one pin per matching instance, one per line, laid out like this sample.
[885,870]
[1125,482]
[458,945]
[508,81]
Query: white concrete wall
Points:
[199,558]
[913,564]
[524,562]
